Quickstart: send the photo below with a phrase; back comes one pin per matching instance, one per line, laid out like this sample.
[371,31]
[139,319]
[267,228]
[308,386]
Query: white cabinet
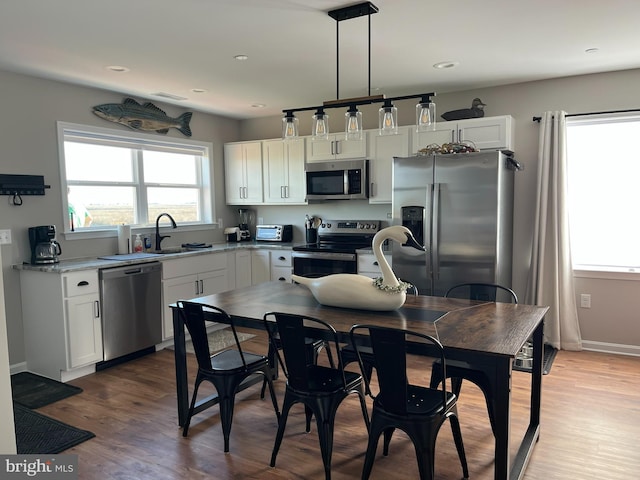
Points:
[382,149]
[186,278]
[62,326]
[487,133]
[260,266]
[243,173]
[281,268]
[283,171]
[368,265]
[243,268]
[336,148]
[270,265]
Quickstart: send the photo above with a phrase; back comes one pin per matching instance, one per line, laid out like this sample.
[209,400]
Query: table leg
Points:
[502,416]
[180,355]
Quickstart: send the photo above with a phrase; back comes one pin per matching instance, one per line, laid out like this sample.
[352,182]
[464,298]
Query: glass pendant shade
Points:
[388,119]
[289,126]
[353,124]
[425,116]
[320,126]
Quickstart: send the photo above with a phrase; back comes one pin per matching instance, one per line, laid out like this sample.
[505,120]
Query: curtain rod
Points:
[537,119]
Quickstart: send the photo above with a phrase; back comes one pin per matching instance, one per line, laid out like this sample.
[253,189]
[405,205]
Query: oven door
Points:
[319,264]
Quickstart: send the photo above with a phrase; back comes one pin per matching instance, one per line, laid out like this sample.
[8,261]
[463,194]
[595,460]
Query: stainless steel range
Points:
[335,251]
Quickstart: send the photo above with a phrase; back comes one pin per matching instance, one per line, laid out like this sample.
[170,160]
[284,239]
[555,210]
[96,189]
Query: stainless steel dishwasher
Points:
[131,301]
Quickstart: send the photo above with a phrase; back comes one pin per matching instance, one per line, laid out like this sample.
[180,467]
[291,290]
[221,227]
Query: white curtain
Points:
[550,281]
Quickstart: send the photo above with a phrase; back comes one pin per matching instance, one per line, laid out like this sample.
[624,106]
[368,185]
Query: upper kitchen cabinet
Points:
[336,148]
[243,173]
[487,133]
[382,149]
[283,171]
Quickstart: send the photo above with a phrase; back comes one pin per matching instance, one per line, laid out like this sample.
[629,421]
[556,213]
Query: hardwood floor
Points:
[590,428]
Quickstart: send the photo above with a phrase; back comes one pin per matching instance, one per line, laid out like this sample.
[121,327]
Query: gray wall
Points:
[612,322]
[30,109]
[32,106]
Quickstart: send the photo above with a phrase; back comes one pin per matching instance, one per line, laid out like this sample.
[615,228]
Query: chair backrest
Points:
[482,291]
[390,347]
[193,316]
[291,330]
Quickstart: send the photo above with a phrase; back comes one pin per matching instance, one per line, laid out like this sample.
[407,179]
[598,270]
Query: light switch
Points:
[585,300]
[5,237]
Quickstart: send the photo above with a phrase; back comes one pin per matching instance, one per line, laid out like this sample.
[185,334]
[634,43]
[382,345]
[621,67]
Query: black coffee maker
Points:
[44,248]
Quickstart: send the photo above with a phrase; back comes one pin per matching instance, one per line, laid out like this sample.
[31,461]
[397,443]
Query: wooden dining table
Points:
[486,335]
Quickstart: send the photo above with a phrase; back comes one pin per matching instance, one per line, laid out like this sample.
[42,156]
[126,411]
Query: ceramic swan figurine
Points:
[349,290]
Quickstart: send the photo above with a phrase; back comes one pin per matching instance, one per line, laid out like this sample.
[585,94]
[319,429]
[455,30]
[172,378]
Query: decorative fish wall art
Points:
[143,116]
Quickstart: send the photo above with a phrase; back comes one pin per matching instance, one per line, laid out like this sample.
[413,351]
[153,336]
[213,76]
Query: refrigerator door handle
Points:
[435,234]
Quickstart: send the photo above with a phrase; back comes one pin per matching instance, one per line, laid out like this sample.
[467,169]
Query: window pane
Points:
[163,167]
[603,177]
[101,206]
[86,162]
[180,203]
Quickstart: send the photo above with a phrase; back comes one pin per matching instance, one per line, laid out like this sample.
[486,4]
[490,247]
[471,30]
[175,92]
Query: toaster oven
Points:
[274,233]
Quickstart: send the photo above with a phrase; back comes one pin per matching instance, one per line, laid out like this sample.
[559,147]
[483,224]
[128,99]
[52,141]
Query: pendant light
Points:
[353,124]
[387,114]
[425,115]
[289,125]
[388,119]
[320,125]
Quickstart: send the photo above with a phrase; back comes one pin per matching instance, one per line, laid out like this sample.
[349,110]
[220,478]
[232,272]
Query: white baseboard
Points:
[18,368]
[615,348]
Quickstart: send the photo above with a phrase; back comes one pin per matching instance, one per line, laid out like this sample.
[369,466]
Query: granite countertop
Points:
[77,264]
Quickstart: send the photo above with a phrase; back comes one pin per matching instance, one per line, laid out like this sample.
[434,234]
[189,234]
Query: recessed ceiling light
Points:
[198,90]
[258,105]
[169,95]
[592,50]
[117,68]
[241,57]
[442,65]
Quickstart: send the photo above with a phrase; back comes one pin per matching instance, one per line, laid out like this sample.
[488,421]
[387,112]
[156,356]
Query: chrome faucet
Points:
[159,237]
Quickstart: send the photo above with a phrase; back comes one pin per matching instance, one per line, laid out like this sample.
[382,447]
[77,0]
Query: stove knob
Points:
[328,225]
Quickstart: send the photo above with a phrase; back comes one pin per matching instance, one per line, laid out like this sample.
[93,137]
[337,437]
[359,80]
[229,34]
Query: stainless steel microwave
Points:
[338,180]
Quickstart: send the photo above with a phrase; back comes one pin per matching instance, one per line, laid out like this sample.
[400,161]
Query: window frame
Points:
[106,136]
[593,270]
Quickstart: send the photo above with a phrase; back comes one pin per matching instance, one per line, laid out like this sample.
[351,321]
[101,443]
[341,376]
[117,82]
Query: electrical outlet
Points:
[5,237]
[389,215]
[220,225]
[585,300]
[260,221]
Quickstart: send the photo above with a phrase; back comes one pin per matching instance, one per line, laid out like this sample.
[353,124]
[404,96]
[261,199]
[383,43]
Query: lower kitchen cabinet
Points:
[368,264]
[281,267]
[260,266]
[62,328]
[270,265]
[191,277]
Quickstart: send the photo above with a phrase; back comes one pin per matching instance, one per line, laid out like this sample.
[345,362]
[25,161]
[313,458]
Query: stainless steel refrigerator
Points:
[460,206]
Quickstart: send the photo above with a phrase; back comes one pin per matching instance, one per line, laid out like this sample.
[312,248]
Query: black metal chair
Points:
[458,371]
[319,388]
[226,370]
[417,410]
[349,354]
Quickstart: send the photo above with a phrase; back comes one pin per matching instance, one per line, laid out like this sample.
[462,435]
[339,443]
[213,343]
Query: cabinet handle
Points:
[332,148]
[453,136]
[281,258]
[201,286]
[460,135]
[96,309]
[375,263]
[286,191]
[338,152]
[83,283]
[282,279]
[196,287]
[372,191]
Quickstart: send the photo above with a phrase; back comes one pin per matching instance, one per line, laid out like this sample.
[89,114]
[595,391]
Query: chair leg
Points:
[308,413]
[274,400]
[388,433]
[457,437]
[372,446]
[282,423]
[226,418]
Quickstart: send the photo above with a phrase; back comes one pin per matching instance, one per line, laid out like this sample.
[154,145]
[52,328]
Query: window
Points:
[604,198]
[113,178]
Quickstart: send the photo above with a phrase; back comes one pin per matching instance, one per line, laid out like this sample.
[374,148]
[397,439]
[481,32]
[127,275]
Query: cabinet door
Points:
[281,266]
[296,180]
[274,166]
[212,282]
[243,268]
[84,330]
[369,266]
[260,271]
[336,148]
[382,149]
[243,173]
[445,132]
[487,133]
[174,289]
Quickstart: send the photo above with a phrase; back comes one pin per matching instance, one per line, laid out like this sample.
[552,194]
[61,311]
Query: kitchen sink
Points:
[186,247]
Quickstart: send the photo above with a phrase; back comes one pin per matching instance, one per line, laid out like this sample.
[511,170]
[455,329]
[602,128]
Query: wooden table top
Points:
[497,328]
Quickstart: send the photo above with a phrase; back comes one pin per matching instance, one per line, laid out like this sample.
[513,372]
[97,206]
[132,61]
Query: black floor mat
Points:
[39,434]
[547,361]
[34,391]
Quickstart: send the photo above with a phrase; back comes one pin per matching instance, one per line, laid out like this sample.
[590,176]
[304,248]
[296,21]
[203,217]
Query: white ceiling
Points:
[176,46]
